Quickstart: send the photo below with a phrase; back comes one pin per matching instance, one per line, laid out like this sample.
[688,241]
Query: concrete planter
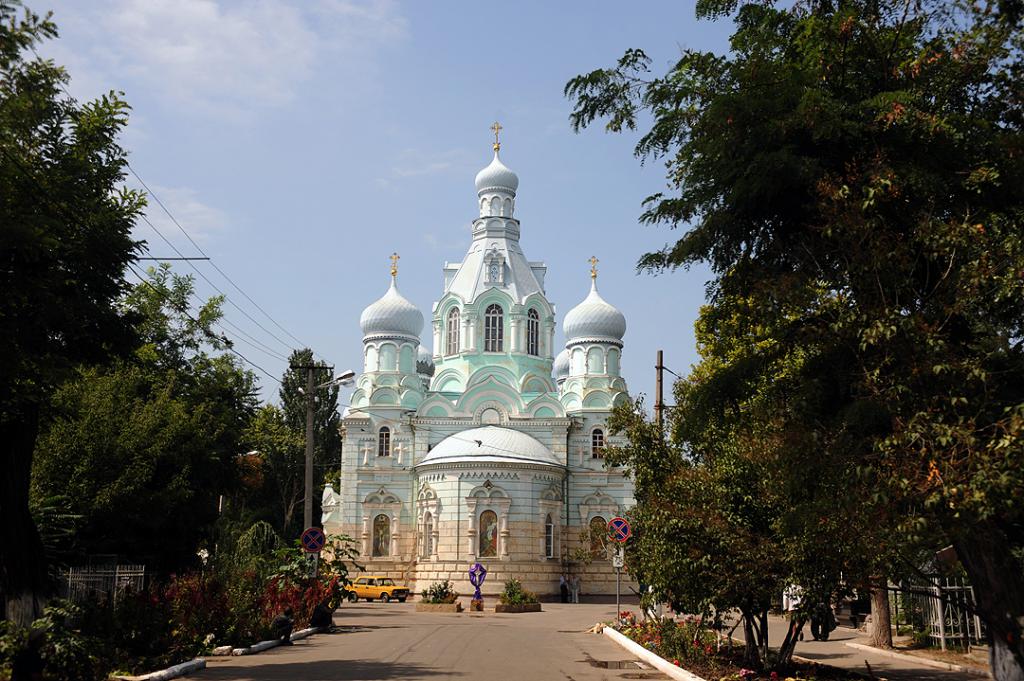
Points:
[439,607]
[525,607]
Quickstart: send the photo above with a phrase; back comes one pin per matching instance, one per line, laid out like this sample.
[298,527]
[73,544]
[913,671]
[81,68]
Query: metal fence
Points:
[104,582]
[941,609]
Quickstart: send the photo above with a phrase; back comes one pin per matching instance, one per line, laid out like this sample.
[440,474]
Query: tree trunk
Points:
[796,625]
[751,657]
[762,619]
[24,587]
[999,592]
[881,619]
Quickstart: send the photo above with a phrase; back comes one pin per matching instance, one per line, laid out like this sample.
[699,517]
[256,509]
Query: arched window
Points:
[494,329]
[381,535]
[598,533]
[532,332]
[451,346]
[549,537]
[597,444]
[488,534]
[384,442]
[428,535]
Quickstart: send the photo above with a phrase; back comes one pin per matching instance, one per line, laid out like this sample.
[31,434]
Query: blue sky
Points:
[301,143]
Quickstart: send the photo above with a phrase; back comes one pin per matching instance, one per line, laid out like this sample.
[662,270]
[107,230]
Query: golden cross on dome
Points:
[394,264]
[593,267]
[496,128]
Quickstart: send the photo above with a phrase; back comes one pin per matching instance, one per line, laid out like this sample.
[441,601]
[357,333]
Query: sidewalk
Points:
[836,653]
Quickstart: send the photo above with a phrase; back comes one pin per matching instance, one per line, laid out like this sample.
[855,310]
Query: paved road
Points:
[392,641]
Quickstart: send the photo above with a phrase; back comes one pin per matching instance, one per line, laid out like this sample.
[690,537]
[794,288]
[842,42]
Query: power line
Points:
[227,344]
[214,286]
[198,248]
[196,245]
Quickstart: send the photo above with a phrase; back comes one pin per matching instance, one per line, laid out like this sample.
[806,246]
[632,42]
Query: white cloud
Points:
[418,163]
[200,220]
[219,56]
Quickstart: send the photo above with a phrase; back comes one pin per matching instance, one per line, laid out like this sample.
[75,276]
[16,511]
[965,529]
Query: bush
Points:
[515,594]
[689,641]
[54,645]
[440,592]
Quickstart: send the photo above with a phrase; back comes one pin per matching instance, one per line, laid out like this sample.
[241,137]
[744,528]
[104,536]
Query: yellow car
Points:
[372,587]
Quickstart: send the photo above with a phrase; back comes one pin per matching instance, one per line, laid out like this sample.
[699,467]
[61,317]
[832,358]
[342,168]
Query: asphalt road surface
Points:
[392,641]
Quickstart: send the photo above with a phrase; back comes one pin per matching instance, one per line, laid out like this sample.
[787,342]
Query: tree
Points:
[853,171]
[141,448]
[65,242]
[326,419]
[282,453]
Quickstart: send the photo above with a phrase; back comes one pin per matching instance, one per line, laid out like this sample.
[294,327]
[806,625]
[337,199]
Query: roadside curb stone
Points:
[949,666]
[171,672]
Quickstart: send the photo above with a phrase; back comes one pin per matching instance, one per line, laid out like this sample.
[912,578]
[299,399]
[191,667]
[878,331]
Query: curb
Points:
[273,643]
[656,661]
[171,672]
[948,666]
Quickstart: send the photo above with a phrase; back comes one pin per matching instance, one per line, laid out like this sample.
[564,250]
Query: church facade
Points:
[489,447]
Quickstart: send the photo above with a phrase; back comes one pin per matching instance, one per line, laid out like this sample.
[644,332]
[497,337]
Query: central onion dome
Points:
[496,177]
[561,365]
[594,319]
[490,444]
[392,315]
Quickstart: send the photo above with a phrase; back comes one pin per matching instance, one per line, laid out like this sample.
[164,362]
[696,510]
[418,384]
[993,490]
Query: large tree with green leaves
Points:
[854,173]
[64,244]
[140,449]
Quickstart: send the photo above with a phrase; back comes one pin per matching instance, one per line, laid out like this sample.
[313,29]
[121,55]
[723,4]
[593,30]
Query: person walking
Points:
[574,588]
[563,588]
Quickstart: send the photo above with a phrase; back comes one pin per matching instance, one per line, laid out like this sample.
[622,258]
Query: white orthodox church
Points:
[489,448]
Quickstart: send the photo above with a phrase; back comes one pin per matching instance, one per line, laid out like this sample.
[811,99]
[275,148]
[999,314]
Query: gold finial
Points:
[593,267]
[394,264]
[496,128]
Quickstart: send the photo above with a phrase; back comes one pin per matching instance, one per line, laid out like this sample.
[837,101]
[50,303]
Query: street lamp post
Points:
[342,379]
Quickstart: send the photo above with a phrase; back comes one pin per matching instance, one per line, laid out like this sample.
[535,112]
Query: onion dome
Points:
[392,315]
[594,319]
[496,177]
[561,366]
[424,362]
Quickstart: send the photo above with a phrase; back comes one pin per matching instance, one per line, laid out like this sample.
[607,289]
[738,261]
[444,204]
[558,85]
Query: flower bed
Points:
[689,644]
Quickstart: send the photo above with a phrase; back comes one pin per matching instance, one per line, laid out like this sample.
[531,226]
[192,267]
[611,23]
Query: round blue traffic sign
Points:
[619,529]
[313,540]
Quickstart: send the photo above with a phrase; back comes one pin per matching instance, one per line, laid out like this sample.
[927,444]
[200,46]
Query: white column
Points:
[514,326]
[367,450]
[394,536]
[399,450]
[471,533]
[437,337]
[503,536]
[366,536]
[464,336]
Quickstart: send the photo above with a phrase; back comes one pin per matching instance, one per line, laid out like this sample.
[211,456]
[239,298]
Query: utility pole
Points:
[659,397]
[307,508]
